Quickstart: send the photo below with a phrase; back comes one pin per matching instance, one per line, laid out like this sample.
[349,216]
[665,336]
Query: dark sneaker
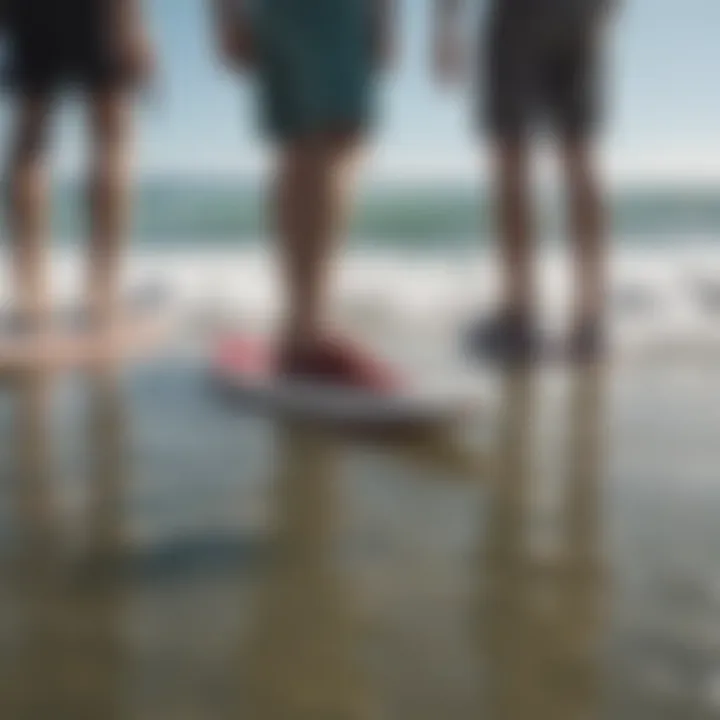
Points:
[505,339]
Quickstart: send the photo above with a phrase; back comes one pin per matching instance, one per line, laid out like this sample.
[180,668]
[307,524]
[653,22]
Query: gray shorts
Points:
[542,73]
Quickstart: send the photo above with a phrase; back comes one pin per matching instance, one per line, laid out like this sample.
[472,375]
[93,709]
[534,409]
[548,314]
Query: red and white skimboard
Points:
[243,369]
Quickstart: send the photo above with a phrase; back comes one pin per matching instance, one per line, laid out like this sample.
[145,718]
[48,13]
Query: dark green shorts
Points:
[315,66]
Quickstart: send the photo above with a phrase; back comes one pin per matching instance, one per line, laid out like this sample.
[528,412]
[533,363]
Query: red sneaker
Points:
[333,361]
[336,361]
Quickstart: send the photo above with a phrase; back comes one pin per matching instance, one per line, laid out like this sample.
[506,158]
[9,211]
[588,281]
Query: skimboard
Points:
[70,342]
[242,369]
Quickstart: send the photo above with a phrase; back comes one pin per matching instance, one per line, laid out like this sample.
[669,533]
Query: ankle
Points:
[587,319]
[518,314]
[301,338]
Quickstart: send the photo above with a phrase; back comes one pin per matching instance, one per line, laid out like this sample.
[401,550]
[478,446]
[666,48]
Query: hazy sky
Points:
[663,101]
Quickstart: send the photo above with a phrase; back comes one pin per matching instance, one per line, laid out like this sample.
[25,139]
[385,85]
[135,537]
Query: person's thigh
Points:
[30,126]
[110,115]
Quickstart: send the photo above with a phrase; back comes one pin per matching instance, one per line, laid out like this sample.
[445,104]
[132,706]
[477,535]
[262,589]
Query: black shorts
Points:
[54,44]
[543,73]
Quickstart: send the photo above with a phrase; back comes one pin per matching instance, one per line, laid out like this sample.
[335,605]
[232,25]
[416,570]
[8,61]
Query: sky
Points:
[663,102]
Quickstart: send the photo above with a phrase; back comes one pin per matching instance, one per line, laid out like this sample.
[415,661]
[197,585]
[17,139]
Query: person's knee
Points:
[578,157]
[511,162]
[327,144]
[31,138]
[344,141]
[111,122]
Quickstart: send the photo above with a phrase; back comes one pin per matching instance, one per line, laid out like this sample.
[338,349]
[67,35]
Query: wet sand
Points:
[164,557]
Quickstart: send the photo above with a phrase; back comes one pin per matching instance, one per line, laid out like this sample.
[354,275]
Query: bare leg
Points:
[586,214]
[314,191]
[28,209]
[515,225]
[109,202]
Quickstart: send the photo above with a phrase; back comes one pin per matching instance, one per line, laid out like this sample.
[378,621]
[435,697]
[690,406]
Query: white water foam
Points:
[666,292]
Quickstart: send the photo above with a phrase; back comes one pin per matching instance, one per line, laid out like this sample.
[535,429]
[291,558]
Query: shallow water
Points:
[164,557]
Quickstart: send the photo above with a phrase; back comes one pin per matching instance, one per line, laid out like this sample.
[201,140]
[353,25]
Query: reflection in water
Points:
[67,655]
[543,612]
[99,600]
[35,671]
[302,655]
[73,652]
